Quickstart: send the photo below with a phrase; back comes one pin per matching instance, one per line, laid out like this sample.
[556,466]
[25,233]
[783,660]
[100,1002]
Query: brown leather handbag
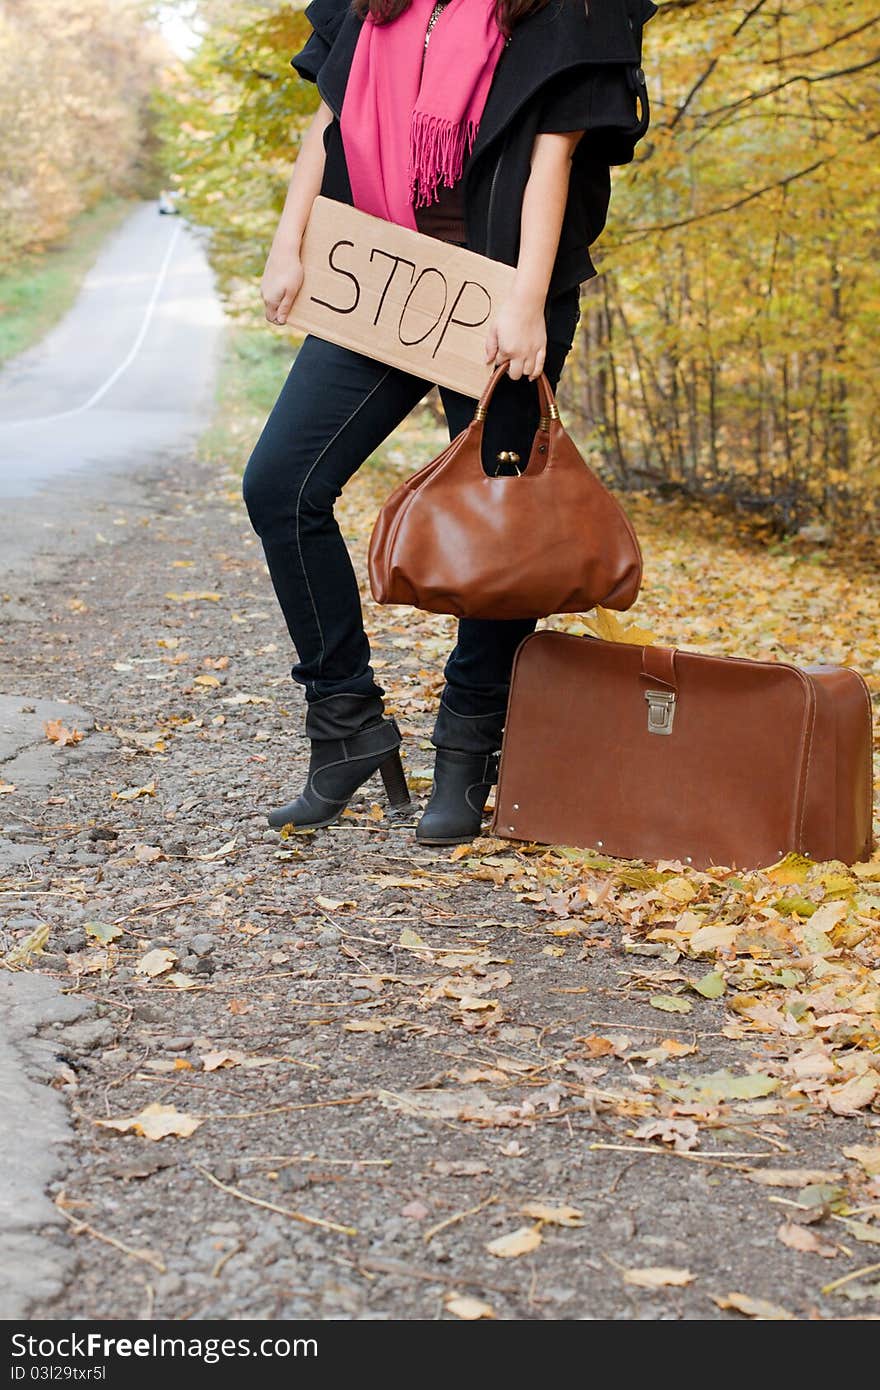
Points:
[652,753]
[452,539]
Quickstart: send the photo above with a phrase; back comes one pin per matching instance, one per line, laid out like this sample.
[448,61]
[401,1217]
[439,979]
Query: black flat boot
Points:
[338,767]
[462,782]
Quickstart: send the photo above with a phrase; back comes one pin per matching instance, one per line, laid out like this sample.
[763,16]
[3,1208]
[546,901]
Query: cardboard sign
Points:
[400,297]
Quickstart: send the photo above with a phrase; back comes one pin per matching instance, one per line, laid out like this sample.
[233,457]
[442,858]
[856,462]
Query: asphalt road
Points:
[125,379]
[114,395]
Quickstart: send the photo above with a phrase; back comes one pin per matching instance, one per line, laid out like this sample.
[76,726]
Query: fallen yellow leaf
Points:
[220,853]
[869,871]
[553,1216]
[805,1240]
[791,1177]
[156,962]
[855,1094]
[193,596]
[670,1003]
[860,1230]
[104,932]
[57,733]
[156,1122]
[868,1155]
[793,868]
[753,1307]
[461,1305]
[212,1061]
[411,941]
[132,793]
[33,945]
[147,854]
[473,1002]
[608,626]
[520,1242]
[658,1277]
[680,890]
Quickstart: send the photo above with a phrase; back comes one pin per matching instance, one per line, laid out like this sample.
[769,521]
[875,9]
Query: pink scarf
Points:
[407,126]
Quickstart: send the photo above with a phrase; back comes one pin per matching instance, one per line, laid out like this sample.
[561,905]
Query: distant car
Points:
[167,204]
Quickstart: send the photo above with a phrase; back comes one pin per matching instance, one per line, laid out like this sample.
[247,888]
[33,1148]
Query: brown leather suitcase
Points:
[654,753]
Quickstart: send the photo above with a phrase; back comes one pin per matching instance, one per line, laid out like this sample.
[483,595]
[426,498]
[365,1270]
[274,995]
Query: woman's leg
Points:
[334,410]
[470,720]
[474,701]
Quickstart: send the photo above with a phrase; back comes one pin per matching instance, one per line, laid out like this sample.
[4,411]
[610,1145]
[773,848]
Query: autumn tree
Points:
[726,347]
[232,120]
[75,86]
[728,342]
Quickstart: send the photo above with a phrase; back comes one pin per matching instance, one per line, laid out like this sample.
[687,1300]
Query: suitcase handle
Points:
[658,665]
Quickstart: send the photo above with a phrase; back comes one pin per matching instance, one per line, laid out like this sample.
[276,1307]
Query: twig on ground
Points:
[680,1153]
[847,1278]
[281,1211]
[284,1109]
[82,1228]
[373,1264]
[285,1160]
[764,1138]
[619,1178]
[221,1264]
[158,907]
[650,1028]
[454,1220]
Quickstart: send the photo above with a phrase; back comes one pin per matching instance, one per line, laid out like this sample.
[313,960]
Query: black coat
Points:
[563,69]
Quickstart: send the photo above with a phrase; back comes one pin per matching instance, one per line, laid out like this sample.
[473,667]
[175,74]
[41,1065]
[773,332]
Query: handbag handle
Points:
[546,398]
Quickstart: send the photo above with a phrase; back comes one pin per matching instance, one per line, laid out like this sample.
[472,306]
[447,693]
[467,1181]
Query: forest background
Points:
[725,349]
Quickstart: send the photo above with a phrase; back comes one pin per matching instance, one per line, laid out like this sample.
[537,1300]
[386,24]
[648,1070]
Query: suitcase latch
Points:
[661,711]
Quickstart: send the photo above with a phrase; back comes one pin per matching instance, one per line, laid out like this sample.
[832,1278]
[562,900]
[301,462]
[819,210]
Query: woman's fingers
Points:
[284,306]
[521,363]
[492,344]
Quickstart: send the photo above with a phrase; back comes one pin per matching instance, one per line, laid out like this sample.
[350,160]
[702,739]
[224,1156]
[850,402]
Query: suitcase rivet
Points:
[516,806]
[599,844]
[689,860]
[511,827]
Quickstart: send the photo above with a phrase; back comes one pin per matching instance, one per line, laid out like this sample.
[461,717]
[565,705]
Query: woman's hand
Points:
[283,275]
[281,283]
[518,335]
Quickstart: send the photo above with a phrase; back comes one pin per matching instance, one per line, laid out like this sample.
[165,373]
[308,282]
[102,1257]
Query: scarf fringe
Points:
[438,149]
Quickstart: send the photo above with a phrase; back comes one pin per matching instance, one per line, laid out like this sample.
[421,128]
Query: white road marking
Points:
[129,357]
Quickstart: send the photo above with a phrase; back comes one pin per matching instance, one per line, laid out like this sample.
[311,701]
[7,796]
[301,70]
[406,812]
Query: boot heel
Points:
[395,782]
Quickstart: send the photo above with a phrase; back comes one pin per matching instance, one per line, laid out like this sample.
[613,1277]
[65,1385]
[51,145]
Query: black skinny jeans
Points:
[334,410]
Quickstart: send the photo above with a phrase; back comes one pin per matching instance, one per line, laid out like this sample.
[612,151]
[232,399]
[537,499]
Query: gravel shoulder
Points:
[387,1057]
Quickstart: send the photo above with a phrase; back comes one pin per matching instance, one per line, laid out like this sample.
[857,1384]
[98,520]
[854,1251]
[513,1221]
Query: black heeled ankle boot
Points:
[338,767]
[465,770]
[462,782]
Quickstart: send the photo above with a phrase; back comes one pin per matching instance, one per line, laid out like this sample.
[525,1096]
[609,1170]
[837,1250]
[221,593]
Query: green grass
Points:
[254,363]
[37,290]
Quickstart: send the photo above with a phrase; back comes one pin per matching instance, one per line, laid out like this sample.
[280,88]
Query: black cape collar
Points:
[558,37]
